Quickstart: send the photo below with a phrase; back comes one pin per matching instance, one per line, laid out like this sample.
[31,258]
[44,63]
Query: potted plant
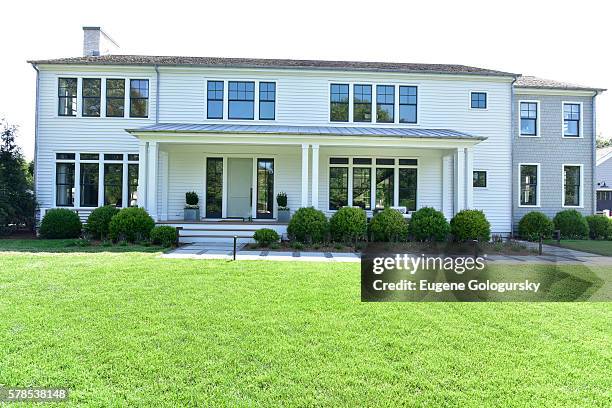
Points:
[282,210]
[192,209]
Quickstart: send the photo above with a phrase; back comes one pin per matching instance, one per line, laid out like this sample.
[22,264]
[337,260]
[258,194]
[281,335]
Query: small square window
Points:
[480,179]
[479,100]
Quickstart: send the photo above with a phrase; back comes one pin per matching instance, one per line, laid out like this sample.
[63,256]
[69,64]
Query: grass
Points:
[595,247]
[70,245]
[132,329]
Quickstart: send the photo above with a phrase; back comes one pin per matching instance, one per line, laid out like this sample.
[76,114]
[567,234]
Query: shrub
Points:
[281,200]
[308,225]
[428,224]
[99,220]
[600,227]
[348,224]
[131,224]
[164,235]
[191,198]
[60,223]
[571,224]
[265,237]
[470,225]
[388,225]
[535,224]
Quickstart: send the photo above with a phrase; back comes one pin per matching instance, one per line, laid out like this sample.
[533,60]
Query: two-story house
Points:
[144,130]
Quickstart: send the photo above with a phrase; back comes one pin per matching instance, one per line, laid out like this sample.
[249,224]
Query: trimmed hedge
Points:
[388,225]
[99,221]
[572,225]
[60,223]
[164,235]
[428,224]
[535,224]
[308,226]
[131,224]
[470,225]
[348,224]
[600,227]
[265,237]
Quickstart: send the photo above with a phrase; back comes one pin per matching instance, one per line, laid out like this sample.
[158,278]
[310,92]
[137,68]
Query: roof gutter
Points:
[35,178]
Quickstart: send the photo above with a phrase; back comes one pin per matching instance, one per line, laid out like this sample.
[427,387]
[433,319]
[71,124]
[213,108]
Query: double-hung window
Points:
[339,103]
[529,118]
[214,105]
[572,180]
[67,96]
[267,100]
[362,183]
[64,180]
[92,94]
[362,103]
[571,120]
[132,180]
[338,183]
[529,179]
[478,100]
[115,98]
[89,167]
[139,98]
[241,100]
[385,103]
[408,104]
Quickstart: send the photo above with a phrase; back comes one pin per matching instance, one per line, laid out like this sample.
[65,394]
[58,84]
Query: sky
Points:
[562,40]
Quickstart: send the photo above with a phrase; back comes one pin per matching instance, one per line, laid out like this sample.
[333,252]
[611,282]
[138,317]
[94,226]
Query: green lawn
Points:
[132,329]
[595,247]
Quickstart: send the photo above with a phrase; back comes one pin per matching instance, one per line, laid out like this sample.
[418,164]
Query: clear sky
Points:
[563,40]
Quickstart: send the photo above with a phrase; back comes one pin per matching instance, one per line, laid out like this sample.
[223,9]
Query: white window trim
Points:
[538,188]
[486,172]
[580,128]
[471,91]
[581,201]
[538,113]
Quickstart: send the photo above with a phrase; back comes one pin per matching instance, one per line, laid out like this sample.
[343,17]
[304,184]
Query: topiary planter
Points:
[192,214]
[283,215]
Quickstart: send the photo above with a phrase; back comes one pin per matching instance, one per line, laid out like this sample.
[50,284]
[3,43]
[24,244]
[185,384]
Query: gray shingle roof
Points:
[541,83]
[308,130]
[275,63]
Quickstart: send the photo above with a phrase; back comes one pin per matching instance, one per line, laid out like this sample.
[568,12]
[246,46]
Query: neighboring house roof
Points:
[309,130]
[603,155]
[275,63]
[526,81]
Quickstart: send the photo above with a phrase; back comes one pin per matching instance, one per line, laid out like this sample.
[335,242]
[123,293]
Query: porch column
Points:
[469,178]
[459,182]
[142,174]
[315,176]
[305,175]
[447,177]
[152,180]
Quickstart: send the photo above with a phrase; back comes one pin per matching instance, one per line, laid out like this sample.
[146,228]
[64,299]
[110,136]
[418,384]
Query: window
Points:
[265,188]
[384,187]
[214,187]
[132,185]
[67,96]
[91,97]
[408,188]
[362,103]
[214,106]
[339,103]
[529,118]
[479,179]
[529,184]
[338,187]
[571,120]
[89,184]
[241,100]
[139,98]
[408,104]
[385,103]
[362,187]
[64,184]
[113,184]
[571,186]
[115,98]
[479,100]
[267,99]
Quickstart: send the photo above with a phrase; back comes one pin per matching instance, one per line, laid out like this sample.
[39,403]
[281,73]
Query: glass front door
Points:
[265,188]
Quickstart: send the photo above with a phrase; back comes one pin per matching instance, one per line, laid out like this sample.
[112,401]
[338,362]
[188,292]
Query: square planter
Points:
[192,214]
[283,215]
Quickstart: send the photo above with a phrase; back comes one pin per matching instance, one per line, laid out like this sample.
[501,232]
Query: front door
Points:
[239,188]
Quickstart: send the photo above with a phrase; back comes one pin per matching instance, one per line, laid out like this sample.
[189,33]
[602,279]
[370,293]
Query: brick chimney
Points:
[96,42]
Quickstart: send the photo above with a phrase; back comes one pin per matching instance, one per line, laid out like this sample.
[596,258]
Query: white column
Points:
[125,199]
[459,176]
[447,204]
[142,174]
[77,180]
[469,178]
[305,175]
[152,180]
[315,176]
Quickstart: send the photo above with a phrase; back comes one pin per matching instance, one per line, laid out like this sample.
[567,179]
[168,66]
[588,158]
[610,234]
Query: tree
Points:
[17,202]
[601,142]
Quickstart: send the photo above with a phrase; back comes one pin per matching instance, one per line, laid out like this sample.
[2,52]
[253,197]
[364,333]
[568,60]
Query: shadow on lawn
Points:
[71,246]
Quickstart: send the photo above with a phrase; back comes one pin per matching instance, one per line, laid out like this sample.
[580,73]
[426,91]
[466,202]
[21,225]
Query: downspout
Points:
[512,186]
[594,156]
[156,94]
[34,177]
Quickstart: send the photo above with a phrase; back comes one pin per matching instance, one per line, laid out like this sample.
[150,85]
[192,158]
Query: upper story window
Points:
[241,100]
[385,103]
[529,119]
[571,120]
[214,106]
[339,103]
[267,100]
[408,104]
[139,98]
[362,103]
[92,94]
[478,100]
[115,98]
[67,96]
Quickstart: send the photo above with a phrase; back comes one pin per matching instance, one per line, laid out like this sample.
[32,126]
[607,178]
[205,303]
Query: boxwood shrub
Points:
[59,223]
[164,235]
[99,221]
[600,227]
[131,224]
[535,224]
[388,225]
[428,224]
[469,225]
[348,224]
[265,237]
[308,226]
[572,225]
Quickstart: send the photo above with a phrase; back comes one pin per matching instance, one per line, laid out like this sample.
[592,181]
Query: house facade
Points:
[604,179]
[141,130]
